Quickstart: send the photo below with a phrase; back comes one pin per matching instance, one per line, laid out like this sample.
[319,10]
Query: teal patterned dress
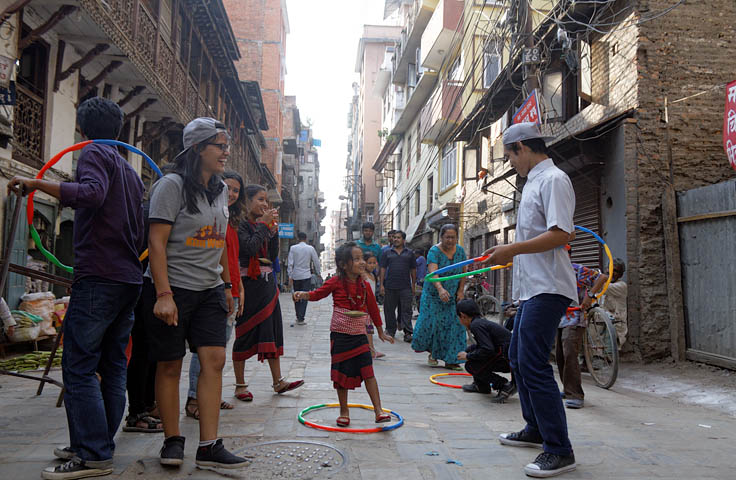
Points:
[438,330]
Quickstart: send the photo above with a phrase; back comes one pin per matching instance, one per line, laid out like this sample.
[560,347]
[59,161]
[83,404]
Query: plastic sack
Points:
[25,334]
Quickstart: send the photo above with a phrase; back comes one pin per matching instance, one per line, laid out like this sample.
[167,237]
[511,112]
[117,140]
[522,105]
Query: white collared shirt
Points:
[547,201]
[301,256]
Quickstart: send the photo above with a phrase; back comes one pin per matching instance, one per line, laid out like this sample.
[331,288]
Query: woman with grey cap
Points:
[187,289]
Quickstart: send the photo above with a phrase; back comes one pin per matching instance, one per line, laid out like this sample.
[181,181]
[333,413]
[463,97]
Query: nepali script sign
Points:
[529,110]
[286,230]
[729,124]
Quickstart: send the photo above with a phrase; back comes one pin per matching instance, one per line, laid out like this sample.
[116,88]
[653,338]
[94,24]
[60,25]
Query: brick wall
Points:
[684,52]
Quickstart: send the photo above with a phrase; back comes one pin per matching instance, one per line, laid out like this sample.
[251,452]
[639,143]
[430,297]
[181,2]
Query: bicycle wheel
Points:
[601,348]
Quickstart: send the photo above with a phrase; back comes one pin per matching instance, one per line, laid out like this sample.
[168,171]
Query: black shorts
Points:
[202,321]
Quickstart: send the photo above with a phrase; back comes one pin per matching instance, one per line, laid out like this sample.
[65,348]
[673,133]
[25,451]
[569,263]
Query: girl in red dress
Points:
[351,355]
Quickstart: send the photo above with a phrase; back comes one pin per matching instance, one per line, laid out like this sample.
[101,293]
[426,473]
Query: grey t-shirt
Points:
[196,241]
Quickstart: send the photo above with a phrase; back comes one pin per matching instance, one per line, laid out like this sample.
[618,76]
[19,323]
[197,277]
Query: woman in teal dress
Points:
[438,330]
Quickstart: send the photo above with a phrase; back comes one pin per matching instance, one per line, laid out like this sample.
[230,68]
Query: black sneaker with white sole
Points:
[550,465]
[216,455]
[520,439]
[74,468]
[508,389]
[64,453]
[172,453]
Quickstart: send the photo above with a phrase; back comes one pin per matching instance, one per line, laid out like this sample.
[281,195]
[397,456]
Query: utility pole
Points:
[525,26]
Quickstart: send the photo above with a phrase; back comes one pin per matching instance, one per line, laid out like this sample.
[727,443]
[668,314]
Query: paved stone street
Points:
[621,433]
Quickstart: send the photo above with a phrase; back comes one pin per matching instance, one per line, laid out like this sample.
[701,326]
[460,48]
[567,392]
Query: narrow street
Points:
[621,433]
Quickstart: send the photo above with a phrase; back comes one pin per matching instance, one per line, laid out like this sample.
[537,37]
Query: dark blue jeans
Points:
[96,331]
[535,328]
[301,306]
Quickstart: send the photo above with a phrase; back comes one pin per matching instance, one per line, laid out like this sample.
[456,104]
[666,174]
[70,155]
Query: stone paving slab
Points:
[620,434]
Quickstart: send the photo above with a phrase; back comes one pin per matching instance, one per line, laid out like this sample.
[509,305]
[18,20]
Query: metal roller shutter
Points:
[585,249]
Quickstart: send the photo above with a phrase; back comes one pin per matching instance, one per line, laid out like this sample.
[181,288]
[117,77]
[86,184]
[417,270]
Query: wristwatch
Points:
[228,285]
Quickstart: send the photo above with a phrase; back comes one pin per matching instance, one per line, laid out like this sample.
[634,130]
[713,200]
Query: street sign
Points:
[529,110]
[531,55]
[7,95]
[6,68]
[729,124]
[286,230]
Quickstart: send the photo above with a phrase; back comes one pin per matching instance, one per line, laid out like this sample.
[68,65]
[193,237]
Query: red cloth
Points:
[233,263]
[336,286]
[342,323]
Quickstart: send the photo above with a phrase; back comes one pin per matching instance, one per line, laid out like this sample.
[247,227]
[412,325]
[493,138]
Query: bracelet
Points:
[163,294]
[228,285]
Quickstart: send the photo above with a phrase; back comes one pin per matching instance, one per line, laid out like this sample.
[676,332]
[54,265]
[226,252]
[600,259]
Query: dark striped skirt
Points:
[351,360]
[259,331]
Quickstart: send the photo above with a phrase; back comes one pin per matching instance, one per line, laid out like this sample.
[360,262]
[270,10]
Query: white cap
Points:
[522,131]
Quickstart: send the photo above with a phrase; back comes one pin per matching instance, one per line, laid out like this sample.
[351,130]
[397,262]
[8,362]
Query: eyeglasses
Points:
[225,147]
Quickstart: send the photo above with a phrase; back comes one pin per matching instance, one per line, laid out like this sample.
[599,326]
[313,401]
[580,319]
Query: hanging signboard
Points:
[529,110]
[286,230]
[7,95]
[6,68]
[729,124]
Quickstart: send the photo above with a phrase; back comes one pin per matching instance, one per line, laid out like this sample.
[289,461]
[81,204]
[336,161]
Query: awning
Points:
[413,226]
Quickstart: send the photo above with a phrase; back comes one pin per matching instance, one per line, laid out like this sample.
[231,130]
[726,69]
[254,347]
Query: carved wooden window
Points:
[29,114]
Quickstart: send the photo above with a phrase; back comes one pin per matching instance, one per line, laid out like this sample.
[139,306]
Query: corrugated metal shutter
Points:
[585,249]
[16,284]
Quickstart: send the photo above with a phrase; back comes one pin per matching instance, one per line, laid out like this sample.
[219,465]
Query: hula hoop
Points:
[347,429]
[433,276]
[78,146]
[449,374]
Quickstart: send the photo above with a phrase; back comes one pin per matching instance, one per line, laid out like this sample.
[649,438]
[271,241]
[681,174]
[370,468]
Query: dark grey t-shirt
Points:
[398,268]
[196,241]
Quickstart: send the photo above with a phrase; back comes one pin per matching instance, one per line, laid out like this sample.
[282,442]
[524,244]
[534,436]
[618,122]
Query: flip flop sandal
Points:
[380,354]
[343,421]
[151,425]
[192,411]
[244,397]
[383,418]
[225,406]
[290,386]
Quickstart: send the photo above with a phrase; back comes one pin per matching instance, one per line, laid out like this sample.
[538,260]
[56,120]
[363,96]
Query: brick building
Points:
[630,94]
[260,28]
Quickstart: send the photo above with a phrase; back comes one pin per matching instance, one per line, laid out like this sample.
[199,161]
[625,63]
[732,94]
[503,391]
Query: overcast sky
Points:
[320,69]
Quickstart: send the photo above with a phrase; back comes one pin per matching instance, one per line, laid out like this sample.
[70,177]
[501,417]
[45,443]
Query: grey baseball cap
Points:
[199,130]
[523,131]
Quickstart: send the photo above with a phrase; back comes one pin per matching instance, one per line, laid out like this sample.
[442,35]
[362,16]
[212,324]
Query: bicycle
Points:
[479,290]
[600,347]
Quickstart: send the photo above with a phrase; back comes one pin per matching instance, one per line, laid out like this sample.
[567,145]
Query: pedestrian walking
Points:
[437,330]
[544,282]
[235,205]
[302,259]
[351,357]
[107,196]
[259,330]
[188,290]
[398,277]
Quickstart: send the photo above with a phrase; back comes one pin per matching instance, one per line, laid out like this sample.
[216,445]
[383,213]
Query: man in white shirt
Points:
[301,256]
[544,283]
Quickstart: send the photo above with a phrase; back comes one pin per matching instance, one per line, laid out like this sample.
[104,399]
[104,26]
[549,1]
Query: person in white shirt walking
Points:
[301,257]
[544,283]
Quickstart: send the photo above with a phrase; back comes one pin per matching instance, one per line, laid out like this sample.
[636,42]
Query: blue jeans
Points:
[96,331]
[195,367]
[535,329]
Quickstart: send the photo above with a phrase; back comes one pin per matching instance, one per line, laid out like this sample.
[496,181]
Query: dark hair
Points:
[369,225]
[344,257]
[446,227]
[368,255]
[252,190]
[100,118]
[399,232]
[391,232]
[236,209]
[536,145]
[618,264]
[468,307]
[189,166]
[301,236]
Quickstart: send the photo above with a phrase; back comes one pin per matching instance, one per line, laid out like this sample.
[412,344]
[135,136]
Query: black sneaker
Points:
[74,468]
[407,337]
[64,453]
[474,388]
[508,389]
[549,465]
[216,455]
[520,439]
[172,453]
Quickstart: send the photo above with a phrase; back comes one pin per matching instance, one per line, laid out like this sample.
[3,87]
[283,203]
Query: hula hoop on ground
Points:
[78,146]
[448,374]
[433,276]
[347,429]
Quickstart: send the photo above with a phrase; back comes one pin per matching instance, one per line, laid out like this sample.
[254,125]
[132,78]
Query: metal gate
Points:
[706,219]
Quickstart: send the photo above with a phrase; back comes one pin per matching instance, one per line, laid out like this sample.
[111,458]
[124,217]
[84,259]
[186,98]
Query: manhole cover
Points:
[293,459]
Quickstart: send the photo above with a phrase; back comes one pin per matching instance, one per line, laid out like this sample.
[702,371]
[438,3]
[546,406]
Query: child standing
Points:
[351,358]
[369,275]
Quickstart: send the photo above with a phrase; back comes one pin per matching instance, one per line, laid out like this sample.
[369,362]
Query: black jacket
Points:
[491,339]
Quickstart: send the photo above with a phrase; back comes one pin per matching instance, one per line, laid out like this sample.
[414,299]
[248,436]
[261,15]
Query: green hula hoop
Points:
[431,278]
